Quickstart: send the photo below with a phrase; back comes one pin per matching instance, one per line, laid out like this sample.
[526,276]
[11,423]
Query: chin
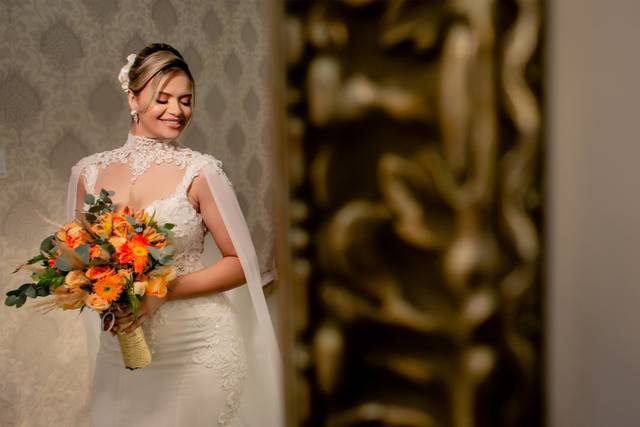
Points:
[162,132]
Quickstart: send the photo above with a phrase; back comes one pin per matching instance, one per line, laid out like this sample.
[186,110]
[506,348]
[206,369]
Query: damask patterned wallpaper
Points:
[61,100]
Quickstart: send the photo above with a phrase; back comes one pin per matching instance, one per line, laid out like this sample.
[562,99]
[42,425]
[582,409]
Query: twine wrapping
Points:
[135,352]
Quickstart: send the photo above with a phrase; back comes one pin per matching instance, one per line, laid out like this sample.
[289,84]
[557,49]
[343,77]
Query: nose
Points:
[175,108]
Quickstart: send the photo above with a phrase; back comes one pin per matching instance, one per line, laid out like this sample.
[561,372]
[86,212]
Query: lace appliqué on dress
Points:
[223,350]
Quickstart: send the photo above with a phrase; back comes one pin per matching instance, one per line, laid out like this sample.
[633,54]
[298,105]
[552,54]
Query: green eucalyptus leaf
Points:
[155,252]
[89,199]
[166,260]
[42,291]
[30,291]
[83,251]
[21,300]
[47,244]
[62,264]
[11,300]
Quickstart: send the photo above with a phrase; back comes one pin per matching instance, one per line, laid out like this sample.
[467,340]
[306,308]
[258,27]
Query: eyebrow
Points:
[170,94]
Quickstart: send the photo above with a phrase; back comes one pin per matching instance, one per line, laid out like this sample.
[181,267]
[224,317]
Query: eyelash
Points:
[186,104]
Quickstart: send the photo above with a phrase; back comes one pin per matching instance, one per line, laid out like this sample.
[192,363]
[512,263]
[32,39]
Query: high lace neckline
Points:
[138,142]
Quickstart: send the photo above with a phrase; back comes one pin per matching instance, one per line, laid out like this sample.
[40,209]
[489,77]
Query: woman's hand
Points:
[124,316]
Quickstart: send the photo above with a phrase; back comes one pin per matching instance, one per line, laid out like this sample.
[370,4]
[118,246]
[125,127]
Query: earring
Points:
[134,116]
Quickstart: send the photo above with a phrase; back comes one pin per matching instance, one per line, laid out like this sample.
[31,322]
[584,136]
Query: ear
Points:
[133,101]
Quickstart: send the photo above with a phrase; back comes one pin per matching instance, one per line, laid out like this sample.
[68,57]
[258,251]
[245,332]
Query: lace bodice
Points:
[140,153]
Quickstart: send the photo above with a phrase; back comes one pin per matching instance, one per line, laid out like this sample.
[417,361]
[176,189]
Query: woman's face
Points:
[164,116]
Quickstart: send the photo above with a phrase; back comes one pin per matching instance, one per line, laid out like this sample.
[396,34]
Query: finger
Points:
[135,324]
[125,319]
[123,313]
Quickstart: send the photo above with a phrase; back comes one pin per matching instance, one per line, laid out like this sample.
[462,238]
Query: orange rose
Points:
[98,252]
[98,272]
[95,302]
[75,279]
[73,235]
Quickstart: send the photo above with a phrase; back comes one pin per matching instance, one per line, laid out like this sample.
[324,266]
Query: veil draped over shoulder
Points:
[262,399]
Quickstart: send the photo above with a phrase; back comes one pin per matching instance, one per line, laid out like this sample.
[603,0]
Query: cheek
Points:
[155,111]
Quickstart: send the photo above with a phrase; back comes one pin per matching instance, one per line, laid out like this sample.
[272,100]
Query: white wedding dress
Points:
[215,360]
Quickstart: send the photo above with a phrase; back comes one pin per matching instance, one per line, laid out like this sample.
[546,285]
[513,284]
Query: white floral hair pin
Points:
[124,72]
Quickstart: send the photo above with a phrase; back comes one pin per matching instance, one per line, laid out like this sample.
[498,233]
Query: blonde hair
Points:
[152,64]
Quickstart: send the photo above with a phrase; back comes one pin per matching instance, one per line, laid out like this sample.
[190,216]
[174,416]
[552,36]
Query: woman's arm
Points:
[226,273]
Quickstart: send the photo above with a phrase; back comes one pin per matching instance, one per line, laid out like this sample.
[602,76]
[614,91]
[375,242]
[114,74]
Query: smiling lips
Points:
[172,123]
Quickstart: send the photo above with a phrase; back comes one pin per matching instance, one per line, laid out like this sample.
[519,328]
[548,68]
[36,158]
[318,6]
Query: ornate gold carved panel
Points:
[414,163]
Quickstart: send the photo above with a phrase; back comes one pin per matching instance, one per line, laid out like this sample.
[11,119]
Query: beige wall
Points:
[60,100]
[594,213]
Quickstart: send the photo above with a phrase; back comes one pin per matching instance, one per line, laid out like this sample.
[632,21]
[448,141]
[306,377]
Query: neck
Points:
[132,137]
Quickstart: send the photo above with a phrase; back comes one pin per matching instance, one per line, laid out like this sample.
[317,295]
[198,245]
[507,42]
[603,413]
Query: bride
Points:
[215,360]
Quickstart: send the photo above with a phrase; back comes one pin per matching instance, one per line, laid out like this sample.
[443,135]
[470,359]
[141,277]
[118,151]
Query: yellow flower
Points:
[95,302]
[104,225]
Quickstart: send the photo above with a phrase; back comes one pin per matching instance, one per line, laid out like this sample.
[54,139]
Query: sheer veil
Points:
[262,399]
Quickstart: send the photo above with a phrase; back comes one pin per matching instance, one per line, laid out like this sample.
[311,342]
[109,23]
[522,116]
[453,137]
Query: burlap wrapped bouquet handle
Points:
[135,351]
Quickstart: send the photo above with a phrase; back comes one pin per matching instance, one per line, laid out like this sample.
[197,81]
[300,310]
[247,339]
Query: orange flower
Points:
[121,226]
[51,262]
[118,242]
[156,286]
[99,252]
[159,279]
[73,235]
[136,251]
[109,288]
[99,272]
[155,239]
[142,217]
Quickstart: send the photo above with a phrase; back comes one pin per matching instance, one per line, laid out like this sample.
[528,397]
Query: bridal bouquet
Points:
[102,260]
